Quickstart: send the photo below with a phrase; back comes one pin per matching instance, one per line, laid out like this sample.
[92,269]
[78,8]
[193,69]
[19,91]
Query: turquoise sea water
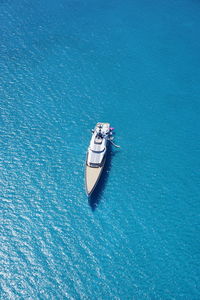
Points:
[66,65]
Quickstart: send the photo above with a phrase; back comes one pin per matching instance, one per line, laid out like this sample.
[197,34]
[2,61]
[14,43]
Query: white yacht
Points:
[96,155]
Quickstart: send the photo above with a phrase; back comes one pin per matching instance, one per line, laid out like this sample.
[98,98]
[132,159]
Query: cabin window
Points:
[94,165]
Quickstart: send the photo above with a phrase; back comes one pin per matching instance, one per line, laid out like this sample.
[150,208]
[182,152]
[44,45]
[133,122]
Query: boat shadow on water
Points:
[96,196]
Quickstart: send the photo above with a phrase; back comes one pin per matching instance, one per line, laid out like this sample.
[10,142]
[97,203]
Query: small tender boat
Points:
[96,155]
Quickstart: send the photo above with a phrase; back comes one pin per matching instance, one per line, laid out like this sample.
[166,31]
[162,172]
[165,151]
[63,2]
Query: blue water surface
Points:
[65,65]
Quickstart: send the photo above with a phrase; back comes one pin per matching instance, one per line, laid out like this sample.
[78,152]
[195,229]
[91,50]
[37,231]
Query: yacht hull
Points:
[96,155]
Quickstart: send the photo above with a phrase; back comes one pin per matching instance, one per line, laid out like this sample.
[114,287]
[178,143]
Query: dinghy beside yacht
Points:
[96,155]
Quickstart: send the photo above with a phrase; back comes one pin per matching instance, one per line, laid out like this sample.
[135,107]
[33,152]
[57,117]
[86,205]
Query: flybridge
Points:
[97,148]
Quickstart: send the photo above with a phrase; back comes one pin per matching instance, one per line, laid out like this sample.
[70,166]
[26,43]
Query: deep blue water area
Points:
[66,65]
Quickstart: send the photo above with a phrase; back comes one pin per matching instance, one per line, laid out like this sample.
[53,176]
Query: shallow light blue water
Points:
[66,65]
